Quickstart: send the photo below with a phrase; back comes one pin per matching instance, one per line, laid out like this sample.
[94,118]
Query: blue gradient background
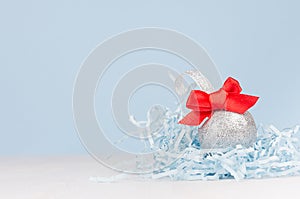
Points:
[42,45]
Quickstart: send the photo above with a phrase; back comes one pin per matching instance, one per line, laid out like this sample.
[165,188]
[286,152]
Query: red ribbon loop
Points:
[227,98]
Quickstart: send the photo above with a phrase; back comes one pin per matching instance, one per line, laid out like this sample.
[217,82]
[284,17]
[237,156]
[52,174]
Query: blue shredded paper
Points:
[275,153]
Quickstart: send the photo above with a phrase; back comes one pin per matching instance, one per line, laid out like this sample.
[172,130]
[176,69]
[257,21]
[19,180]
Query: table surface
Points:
[69,177]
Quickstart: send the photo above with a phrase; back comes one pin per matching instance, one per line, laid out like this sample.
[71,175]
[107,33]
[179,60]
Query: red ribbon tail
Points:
[240,103]
[194,118]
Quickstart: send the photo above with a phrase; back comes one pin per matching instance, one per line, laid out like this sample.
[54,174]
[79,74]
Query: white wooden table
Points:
[68,177]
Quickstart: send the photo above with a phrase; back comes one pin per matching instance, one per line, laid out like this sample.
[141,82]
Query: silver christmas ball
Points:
[228,129]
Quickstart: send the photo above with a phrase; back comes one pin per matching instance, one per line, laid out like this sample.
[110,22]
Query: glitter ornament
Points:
[228,129]
[223,128]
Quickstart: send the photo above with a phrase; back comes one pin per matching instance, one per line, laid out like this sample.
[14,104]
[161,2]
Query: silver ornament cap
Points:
[228,129]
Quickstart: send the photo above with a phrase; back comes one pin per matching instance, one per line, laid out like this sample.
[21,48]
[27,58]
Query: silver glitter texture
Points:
[228,129]
[200,80]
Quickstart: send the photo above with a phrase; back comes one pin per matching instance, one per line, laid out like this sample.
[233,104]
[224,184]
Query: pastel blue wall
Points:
[42,45]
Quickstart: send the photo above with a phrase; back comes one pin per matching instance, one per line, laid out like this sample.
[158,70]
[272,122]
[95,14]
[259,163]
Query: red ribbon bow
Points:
[227,98]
